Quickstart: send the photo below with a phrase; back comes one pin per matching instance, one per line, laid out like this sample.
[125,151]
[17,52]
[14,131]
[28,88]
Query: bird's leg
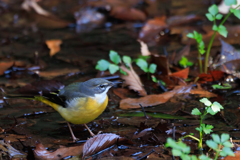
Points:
[91,133]
[73,136]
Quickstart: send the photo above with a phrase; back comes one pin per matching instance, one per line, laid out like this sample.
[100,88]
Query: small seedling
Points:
[223,86]
[185,63]
[213,15]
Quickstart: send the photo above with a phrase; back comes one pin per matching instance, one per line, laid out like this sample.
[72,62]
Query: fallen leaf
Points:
[142,133]
[28,4]
[150,31]
[162,64]
[133,80]
[54,46]
[184,52]
[214,75]
[41,153]
[127,14]
[4,66]
[44,87]
[9,150]
[181,74]
[155,99]
[100,142]
[144,49]
[58,72]
[14,138]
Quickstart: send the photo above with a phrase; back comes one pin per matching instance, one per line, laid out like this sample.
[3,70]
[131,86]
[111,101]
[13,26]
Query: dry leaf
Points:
[127,14]
[28,4]
[98,143]
[41,153]
[155,99]
[184,52]
[144,48]
[133,80]
[181,74]
[9,150]
[4,66]
[54,46]
[58,72]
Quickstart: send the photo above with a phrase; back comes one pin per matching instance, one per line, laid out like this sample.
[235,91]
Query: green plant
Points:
[104,65]
[213,15]
[223,86]
[182,150]
[184,62]
[154,79]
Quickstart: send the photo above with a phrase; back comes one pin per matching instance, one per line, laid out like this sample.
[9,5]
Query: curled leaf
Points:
[133,80]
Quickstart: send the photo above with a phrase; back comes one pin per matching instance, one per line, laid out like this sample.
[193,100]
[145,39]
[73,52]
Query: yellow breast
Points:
[83,110]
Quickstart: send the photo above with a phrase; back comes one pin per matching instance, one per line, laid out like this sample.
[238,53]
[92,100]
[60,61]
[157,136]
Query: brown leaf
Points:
[28,4]
[133,80]
[162,64]
[4,66]
[41,153]
[54,46]
[155,99]
[98,143]
[184,52]
[127,14]
[144,49]
[181,74]
[58,72]
[9,150]
[152,28]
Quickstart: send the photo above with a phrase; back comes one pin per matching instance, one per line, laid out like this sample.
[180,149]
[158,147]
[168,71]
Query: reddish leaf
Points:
[4,66]
[41,153]
[99,142]
[127,14]
[181,74]
[211,76]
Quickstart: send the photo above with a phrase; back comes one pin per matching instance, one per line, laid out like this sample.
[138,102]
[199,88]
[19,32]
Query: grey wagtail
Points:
[78,103]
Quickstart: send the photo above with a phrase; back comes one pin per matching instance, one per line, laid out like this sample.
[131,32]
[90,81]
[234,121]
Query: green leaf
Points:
[209,17]
[152,68]
[189,63]
[216,138]
[127,59]
[199,129]
[216,107]
[213,9]
[236,12]
[208,129]
[193,157]
[215,28]
[228,151]
[154,79]
[114,57]
[227,144]
[204,157]
[196,112]
[102,65]
[206,101]
[185,157]
[224,137]
[113,68]
[210,111]
[222,30]
[190,35]
[219,16]
[212,144]
[121,71]
[142,64]
[224,86]
[176,152]
[230,2]
[183,62]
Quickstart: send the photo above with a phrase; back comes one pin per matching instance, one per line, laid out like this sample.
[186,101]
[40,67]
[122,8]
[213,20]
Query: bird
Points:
[77,103]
